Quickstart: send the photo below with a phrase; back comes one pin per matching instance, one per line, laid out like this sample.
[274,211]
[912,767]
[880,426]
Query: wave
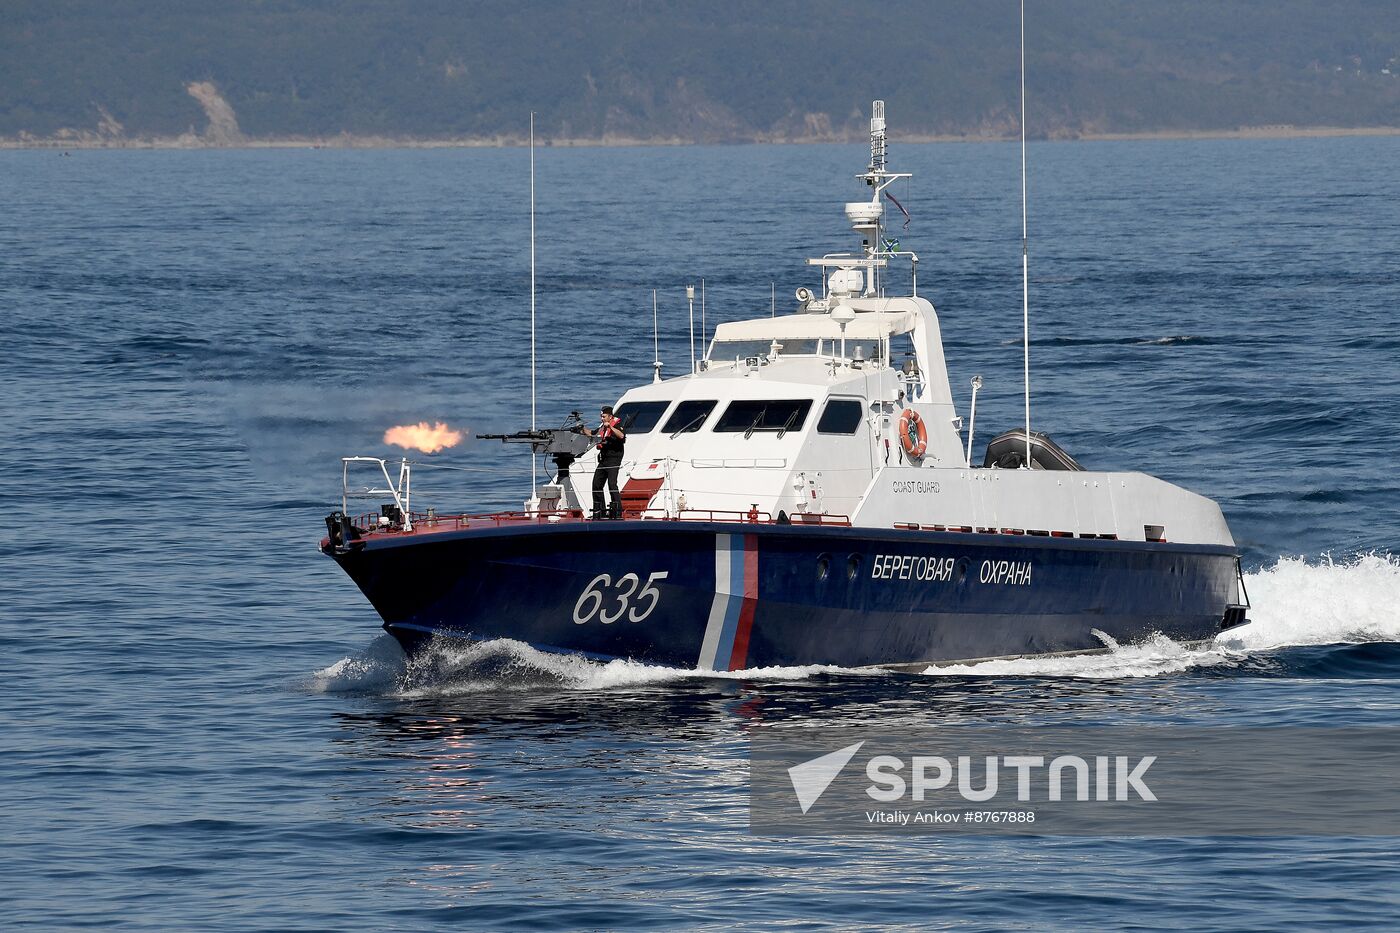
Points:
[1326,602]
[1297,604]
[1154,657]
[454,668]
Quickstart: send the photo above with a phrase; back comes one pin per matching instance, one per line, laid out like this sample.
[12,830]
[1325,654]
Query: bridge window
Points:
[689,416]
[726,350]
[842,416]
[867,350]
[640,417]
[749,415]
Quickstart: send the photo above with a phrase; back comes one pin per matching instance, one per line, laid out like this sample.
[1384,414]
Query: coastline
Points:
[352,141]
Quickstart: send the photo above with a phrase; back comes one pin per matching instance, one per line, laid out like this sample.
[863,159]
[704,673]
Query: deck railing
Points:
[430,521]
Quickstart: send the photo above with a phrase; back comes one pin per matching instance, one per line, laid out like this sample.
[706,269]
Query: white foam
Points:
[1151,658]
[1321,603]
[453,668]
[375,670]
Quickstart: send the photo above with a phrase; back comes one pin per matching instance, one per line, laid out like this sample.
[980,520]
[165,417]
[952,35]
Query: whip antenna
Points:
[1025,259]
[690,300]
[655,342]
[533,470]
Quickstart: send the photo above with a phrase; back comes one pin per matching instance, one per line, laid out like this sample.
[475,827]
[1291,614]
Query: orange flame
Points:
[422,436]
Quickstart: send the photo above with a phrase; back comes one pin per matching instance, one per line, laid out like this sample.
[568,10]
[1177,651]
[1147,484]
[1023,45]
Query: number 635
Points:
[595,596]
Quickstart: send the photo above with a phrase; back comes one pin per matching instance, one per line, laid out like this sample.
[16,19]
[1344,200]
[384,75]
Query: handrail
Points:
[431,519]
[820,518]
[371,522]
[752,516]
[401,491]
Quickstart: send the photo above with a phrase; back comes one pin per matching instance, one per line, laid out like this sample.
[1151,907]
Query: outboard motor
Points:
[1008,452]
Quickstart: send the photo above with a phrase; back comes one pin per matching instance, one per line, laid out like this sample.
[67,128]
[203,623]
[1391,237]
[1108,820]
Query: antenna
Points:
[868,218]
[704,340]
[843,315]
[655,342]
[877,136]
[534,477]
[772,299]
[690,299]
[1025,258]
[972,422]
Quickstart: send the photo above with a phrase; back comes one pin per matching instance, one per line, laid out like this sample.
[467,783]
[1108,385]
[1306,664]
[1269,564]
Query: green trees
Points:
[717,71]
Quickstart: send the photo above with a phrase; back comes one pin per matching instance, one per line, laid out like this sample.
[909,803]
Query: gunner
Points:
[612,439]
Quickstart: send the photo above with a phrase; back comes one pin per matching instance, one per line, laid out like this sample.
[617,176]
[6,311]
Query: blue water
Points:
[203,729]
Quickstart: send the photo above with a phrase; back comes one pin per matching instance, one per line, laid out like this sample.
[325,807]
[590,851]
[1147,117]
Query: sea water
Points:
[203,728]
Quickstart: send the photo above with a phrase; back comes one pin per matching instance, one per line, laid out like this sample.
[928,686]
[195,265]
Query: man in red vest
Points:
[611,441]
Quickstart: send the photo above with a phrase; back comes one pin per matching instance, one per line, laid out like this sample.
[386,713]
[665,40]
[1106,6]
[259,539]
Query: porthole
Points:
[852,566]
[823,566]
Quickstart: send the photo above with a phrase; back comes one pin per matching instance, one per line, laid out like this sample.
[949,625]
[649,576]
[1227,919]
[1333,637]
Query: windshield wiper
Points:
[693,421]
[756,421]
[787,424]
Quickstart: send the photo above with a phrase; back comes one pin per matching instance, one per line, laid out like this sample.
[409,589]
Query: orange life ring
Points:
[913,436]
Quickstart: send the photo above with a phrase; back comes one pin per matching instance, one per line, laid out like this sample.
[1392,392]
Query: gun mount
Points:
[570,442]
[564,444]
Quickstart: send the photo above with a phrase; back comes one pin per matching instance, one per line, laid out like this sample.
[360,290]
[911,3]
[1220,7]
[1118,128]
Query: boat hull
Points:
[724,596]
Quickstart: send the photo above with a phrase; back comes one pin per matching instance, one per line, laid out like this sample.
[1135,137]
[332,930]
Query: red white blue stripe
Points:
[726,643]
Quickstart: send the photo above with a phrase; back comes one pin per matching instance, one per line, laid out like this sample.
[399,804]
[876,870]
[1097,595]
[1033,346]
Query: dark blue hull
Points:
[728,596]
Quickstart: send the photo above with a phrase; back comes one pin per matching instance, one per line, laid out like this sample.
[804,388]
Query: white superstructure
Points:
[800,415]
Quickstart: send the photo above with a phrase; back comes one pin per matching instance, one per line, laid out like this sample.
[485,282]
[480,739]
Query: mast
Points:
[690,300]
[534,475]
[656,342]
[1025,256]
[878,149]
[867,218]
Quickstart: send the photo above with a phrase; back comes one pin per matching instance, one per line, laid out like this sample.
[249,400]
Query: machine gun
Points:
[564,444]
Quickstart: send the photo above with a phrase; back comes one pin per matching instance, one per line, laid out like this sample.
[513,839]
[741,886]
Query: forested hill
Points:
[233,71]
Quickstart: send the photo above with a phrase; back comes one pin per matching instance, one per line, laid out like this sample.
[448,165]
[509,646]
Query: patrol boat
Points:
[807,495]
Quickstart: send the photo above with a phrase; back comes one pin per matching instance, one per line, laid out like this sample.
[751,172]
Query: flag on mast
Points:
[907,218]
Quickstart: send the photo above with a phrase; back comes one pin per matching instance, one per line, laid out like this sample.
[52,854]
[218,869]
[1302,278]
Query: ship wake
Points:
[455,668]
